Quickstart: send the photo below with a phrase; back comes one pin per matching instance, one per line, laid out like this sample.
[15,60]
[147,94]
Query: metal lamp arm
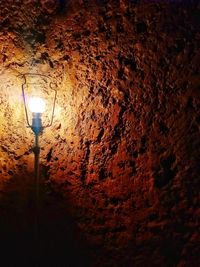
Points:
[25,105]
[54,102]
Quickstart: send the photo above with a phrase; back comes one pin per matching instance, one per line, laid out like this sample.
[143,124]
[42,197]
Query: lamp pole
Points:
[36,90]
[37,129]
[36,151]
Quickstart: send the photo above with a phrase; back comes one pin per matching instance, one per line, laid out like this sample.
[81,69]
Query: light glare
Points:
[36,105]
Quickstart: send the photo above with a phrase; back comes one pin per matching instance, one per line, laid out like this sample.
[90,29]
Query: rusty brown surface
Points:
[123,153]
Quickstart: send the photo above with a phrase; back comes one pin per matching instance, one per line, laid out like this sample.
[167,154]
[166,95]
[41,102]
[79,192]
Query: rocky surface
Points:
[122,155]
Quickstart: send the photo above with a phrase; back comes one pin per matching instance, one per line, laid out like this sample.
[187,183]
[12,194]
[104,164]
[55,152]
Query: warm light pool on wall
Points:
[39,98]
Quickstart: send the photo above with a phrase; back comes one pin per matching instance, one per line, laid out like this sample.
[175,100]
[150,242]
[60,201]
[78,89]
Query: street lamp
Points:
[39,98]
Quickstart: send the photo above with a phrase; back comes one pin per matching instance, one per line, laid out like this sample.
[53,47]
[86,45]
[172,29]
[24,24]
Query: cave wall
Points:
[123,151]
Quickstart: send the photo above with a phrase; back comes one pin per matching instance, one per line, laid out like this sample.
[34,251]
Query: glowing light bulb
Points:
[36,105]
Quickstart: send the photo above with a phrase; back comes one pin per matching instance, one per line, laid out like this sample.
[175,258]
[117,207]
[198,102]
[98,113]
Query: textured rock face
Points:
[123,151]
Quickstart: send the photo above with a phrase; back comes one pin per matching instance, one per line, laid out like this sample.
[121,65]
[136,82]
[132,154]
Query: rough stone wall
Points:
[123,152]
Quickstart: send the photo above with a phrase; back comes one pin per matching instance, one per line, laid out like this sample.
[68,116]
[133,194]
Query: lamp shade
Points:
[39,97]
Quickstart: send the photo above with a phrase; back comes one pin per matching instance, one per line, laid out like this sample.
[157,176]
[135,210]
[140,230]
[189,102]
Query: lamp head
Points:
[37,90]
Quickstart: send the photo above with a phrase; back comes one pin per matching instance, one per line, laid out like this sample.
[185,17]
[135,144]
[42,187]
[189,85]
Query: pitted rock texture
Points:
[123,152]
